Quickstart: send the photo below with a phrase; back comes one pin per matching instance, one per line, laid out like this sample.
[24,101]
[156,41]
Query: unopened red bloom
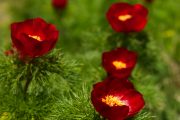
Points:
[149,1]
[116,100]
[59,4]
[124,17]
[119,62]
[33,37]
[9,52]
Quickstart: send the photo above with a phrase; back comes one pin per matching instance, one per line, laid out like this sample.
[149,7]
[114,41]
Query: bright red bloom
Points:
[59,4]
[116,99]
[33,37]
[119,62]
[124,17]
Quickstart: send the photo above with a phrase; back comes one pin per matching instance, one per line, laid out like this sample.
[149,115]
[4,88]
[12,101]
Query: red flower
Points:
[33,37]
[124,17]
[119,62]
[116,99]
[59,4]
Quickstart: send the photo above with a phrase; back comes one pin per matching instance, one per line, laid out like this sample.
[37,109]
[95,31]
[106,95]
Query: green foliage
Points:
[50,76]
[57,90]
[143,115]
[74,106]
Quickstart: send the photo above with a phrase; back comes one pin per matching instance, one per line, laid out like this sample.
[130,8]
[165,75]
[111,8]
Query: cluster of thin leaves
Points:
[51,94]
[50,76]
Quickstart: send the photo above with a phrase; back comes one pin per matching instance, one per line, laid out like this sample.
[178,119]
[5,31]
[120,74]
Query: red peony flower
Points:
[116,99]
[59,4]
[33,37]
[124,17]
[119,62]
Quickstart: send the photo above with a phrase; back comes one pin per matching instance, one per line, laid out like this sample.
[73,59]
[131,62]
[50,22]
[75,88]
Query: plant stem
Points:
[28,81]
[27,85]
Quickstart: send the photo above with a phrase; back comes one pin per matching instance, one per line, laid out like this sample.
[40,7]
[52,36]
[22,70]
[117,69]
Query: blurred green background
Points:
[83,37]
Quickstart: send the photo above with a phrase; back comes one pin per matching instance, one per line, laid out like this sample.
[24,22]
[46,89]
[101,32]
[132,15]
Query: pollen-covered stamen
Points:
[119,65]
[35,37]
[111,101]
[124,17]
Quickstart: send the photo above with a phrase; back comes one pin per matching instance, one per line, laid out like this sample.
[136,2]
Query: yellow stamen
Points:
[124,17]
[35,37]
[112,101]
[119,64]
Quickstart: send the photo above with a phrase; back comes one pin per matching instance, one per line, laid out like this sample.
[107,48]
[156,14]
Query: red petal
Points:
[119,54]
[130,25]
[141,9]
[29,46]
[134,100]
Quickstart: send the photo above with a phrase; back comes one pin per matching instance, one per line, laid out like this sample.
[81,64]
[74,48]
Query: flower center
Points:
[119,65]
[124,17]
[112,101]
[35,37]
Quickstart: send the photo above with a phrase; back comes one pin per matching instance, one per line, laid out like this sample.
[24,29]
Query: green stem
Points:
[27,85]
[28,81]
